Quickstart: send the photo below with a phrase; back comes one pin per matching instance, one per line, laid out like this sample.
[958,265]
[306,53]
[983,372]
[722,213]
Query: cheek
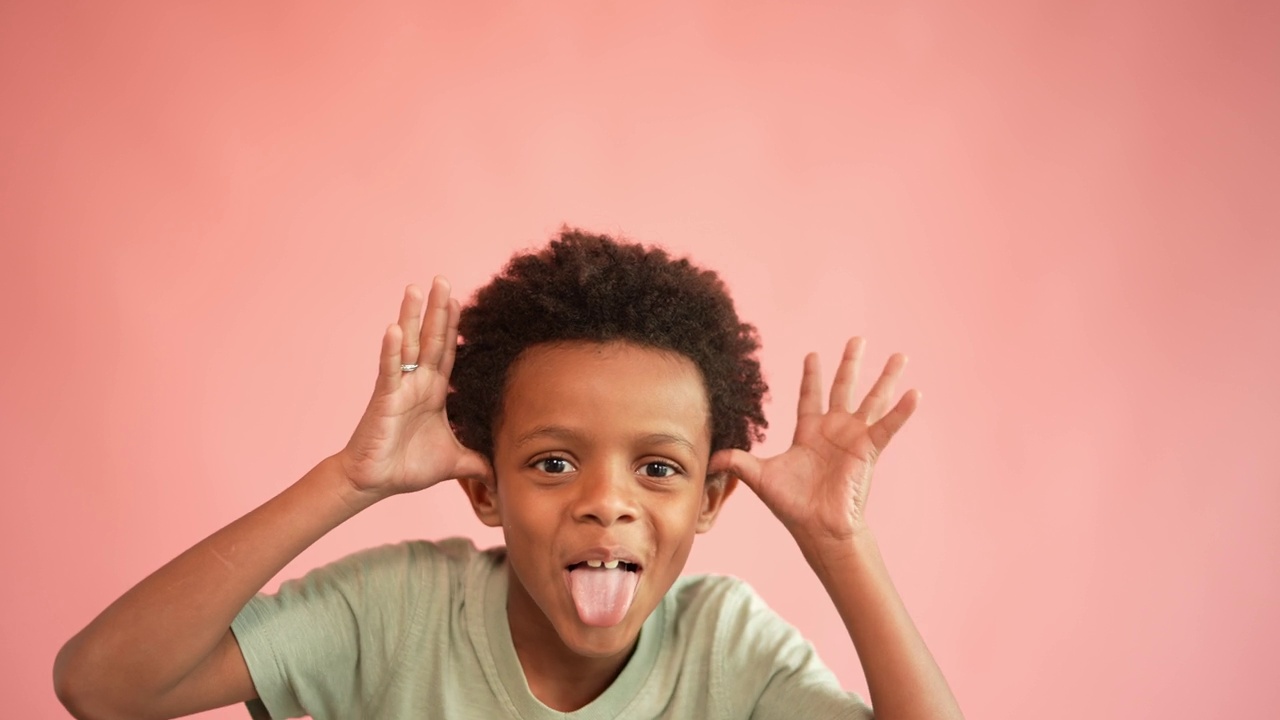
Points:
[677,522]
[529,518]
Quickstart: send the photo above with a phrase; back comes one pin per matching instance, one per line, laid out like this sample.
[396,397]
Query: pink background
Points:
[1066,213]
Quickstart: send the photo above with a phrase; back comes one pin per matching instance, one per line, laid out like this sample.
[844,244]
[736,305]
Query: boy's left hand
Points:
[818,488]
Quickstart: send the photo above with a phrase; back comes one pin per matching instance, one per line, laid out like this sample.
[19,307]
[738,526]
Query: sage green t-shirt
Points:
[419,630]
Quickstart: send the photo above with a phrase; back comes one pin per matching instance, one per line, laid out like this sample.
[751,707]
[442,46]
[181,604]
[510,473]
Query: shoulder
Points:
[377,595]
[718,596]
[728,617]
[451,555]
[331,639]
[396,573]
[756,658]
[418,552]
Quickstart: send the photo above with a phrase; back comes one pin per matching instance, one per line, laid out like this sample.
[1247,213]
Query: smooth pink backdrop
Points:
[1066,213]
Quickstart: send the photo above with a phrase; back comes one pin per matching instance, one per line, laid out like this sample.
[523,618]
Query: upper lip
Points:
[604,554]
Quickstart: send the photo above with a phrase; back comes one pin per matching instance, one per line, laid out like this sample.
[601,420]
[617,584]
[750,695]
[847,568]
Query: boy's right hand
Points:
[165,648]
[404,442]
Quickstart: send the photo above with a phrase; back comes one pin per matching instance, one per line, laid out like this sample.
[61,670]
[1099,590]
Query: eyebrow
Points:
[551,431]
[563,433]
[668,439]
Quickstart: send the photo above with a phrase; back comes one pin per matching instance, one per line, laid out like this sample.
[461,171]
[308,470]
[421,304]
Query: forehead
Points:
[599,388]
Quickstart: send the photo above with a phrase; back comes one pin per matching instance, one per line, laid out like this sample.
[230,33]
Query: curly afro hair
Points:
[588,287]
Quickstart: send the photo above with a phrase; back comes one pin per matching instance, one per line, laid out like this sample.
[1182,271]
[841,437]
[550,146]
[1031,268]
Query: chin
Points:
[591,640]
[600,642]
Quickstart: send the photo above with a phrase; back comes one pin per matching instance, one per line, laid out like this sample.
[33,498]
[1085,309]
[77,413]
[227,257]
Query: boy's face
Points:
[600,455]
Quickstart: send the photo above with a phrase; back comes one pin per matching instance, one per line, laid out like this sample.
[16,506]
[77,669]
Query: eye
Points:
[553,465]
[657,469]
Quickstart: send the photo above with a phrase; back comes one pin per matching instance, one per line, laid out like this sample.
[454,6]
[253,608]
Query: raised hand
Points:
[403,442]
[818,488]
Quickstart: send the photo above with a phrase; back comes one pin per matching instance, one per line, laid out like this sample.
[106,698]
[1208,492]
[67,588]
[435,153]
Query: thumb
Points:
[738,463]
[474,466]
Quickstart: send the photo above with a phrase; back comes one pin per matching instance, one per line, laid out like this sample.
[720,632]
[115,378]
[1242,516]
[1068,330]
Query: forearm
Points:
[904,681]
[147,641]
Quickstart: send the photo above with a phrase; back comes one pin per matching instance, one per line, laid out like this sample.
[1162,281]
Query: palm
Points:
[401,439]
[403,442]
[819,486]
[832,452]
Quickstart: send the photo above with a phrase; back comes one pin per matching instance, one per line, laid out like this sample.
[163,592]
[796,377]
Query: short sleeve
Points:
[767,655]
[325,645]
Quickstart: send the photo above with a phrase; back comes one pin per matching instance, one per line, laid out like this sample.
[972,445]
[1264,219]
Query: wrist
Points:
[331,476]
[839,553]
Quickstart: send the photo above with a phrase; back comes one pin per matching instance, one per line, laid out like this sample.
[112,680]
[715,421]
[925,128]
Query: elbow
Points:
[73,683]
[68,687]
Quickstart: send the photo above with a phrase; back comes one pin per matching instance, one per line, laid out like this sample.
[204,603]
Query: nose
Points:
[606,495]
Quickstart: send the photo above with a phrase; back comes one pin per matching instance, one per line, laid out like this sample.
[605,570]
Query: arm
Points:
[818,489]
[165,648]
[903,679]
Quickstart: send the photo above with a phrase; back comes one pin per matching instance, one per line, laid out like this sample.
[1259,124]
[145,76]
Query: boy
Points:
[602,405]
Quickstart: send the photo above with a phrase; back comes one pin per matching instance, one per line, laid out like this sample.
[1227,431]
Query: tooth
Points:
[611,564]
[593,563]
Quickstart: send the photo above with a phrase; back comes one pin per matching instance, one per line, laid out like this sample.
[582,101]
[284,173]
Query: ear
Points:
[483,494]
[717,488]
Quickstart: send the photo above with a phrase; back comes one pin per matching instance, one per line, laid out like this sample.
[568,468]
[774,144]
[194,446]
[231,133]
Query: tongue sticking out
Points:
[601,595]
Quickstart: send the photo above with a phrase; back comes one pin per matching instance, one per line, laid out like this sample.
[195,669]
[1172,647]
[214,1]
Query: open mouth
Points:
[602,591]
[611,565]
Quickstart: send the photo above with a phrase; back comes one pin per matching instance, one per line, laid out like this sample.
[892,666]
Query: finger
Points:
[451,339]
[842,389]
[389,360]
[435,325]
[889,425]
[877,400]
[410,323]
[811,386]
[738,463]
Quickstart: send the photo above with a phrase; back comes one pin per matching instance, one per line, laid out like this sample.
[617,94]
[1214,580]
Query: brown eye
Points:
[659,470]
[553,465]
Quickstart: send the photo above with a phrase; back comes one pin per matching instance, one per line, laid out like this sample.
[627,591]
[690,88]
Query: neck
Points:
[560,678]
